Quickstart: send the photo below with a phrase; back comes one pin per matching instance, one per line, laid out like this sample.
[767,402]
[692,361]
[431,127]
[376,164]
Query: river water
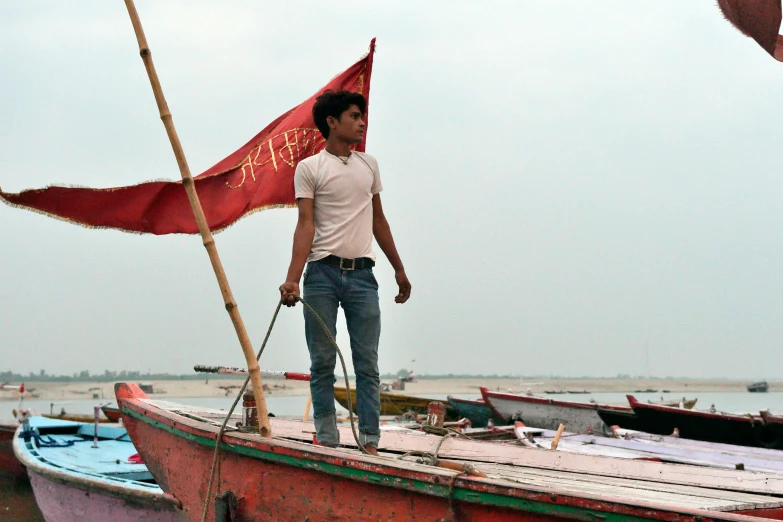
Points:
[292,406]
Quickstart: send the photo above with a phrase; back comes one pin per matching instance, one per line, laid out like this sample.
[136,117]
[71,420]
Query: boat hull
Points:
[283,478]
[76,417]
[113,414]
[698,425]
[770,435]
[393,404]
[623,419]
[60,502]
[9,464]
[545,413]
[269,490]
[73,480]
[478,413]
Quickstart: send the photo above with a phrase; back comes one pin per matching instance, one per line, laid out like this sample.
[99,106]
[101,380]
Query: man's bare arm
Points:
[303,242]
[383,235]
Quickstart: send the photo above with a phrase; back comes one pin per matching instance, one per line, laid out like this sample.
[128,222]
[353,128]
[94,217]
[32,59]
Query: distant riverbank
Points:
[222,387]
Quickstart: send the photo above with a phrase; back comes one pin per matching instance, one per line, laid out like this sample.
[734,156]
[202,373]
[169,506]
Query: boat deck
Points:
[107,463]
[507,472]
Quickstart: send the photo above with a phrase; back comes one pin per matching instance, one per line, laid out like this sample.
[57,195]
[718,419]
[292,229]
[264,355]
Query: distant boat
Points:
[688,404]
[395,404]
[74,481]
[477,412]
[758,387]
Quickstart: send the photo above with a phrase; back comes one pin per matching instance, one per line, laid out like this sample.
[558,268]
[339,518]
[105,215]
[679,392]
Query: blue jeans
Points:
[325,288]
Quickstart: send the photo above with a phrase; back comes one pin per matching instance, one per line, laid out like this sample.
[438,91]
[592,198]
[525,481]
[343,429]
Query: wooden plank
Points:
[636,491]
[590,480]
[458,448]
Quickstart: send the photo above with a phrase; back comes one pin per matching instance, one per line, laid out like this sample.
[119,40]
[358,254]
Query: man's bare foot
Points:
[372,450]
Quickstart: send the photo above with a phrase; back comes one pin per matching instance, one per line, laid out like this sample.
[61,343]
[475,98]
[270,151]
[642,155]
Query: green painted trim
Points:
[419,486]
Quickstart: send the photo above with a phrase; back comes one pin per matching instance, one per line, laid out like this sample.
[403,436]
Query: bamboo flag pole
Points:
[206,236]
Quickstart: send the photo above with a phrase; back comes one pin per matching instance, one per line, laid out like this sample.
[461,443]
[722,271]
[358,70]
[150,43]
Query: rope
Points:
[45,441]
[215,465]
[451,514]
[434,430]
[228,416]
[432,457]
[432,460]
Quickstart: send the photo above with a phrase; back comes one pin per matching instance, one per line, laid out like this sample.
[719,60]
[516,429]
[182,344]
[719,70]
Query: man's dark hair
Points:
[332,103]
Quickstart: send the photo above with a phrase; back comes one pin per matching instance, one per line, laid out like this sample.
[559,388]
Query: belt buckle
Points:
[343,267]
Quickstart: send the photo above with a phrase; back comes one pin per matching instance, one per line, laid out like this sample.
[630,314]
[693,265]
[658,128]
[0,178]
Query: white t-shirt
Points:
[342,202]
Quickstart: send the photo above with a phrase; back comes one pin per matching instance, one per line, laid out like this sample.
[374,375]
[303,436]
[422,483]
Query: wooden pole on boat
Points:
[558,434]
[306,415]
[206,236]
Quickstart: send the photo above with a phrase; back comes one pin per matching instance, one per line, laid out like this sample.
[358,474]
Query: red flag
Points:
[758,19]
[259,175]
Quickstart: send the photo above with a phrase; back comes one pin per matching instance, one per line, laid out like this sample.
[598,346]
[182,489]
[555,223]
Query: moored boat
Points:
[758,387]
[578,417]
[770,435]
[9,464]
[74,481]
[727,428]
[111,412]
[623,418]
[75,417]
[72,417]
[394,403]
[477,412]
[286,477]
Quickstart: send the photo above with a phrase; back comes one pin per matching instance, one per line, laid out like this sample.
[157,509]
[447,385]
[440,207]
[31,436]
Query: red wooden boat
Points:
[112,413]
[726,428]
[9,464]
[288,478]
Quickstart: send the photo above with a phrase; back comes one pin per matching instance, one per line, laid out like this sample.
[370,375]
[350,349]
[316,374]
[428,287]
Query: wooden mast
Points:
[206,236]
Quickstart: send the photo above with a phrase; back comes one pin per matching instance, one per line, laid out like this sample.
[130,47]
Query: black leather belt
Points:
[347,264]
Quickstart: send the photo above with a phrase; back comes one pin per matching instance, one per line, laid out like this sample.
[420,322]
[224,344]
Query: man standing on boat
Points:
[338,193]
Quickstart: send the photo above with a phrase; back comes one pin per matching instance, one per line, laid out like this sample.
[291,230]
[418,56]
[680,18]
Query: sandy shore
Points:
[422,387]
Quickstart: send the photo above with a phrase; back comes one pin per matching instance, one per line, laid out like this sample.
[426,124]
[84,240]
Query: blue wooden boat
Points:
[75,479]
[477,412]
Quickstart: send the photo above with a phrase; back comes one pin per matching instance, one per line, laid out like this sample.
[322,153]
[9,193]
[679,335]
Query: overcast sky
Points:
[567,183]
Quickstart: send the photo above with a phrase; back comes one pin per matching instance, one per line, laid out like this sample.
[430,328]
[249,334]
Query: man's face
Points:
[350,126]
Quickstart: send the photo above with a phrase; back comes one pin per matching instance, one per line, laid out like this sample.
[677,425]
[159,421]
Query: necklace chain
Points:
[344,160]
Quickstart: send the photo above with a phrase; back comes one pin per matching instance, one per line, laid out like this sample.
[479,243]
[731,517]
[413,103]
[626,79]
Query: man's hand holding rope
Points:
[289,292]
